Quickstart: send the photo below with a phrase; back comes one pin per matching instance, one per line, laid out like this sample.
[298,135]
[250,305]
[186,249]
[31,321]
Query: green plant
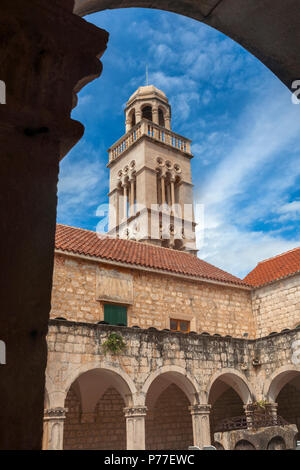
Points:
[261,403]
[114,344]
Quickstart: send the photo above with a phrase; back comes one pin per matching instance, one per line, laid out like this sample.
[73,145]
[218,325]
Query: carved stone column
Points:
[201,425]
[135,427]
[132,199]
[163,190]
[138,116]
[155,114]
[172,183]
[272,410]
[127,125]
[125,201]
[249,412]
[47,54]
[53,437]
[168,122]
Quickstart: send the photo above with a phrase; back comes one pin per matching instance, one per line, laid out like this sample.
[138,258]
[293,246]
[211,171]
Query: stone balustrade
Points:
[154,131]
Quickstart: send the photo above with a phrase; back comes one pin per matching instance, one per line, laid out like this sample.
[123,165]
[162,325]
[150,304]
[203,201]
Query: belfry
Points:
[151,190]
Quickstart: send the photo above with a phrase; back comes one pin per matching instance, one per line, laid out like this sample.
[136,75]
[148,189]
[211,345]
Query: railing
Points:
[257,421]
[156,132]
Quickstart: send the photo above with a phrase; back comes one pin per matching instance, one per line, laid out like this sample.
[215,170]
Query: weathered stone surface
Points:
[277,305]
[271,438]
[199,357]
[156,298]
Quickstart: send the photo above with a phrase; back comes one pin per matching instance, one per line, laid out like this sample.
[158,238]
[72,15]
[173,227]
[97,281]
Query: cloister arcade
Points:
[133,402]
[100,405]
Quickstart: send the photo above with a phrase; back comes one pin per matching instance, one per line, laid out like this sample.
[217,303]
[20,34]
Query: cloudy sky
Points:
[244,127]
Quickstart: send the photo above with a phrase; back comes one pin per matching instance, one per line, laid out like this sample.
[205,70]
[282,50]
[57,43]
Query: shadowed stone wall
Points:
[169,422]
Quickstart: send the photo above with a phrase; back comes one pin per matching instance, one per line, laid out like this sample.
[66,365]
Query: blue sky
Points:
[244,127]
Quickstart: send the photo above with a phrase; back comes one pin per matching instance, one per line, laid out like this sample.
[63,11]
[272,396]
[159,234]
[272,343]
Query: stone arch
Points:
[168,394]
[276,443]
[117,377]
[278,380]
[94,405]
[243,444]
[132,117]
[235,380]
[259,27]
[179,377]
[161,117]
[147,111]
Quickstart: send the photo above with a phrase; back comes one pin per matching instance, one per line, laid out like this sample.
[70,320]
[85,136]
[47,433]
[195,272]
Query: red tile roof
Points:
[275,268]
[85,242]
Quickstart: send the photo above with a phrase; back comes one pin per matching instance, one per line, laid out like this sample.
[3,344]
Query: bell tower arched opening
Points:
[147,113]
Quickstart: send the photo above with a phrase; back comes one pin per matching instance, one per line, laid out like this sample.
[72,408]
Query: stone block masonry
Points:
[157,297]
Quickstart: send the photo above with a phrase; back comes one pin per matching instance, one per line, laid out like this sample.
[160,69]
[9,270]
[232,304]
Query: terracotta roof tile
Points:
[85,242]
[275,268]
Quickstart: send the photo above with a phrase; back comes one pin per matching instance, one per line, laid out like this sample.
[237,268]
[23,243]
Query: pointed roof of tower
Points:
[148,91]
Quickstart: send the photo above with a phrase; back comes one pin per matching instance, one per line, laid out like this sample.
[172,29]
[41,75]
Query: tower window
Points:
[115,314]
[161,119]
[147,113]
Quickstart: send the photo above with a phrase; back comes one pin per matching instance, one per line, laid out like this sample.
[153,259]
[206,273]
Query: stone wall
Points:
[228,405]
[277,306]
[289,402]
[104,430]
[169,423]
[164,371]
[156,298]
[74,348]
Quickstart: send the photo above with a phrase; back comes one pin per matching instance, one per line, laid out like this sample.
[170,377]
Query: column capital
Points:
[44,64]
[199,409]
[272,406]
[135,411]
[249,408]
[55,413]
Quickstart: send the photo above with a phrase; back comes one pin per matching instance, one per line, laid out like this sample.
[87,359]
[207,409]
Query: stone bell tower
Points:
[151,191]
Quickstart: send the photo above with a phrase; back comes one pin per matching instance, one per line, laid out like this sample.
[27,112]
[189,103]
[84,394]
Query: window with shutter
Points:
[179,325]
[115,314]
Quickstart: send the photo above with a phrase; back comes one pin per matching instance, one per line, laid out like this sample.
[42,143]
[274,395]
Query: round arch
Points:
[237,381]
[179,377]
[278,380]
[146,110]
[132,117]
[268,29]
[116,377]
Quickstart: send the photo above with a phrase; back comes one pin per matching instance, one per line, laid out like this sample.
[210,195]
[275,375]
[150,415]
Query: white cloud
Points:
[289,211]
[240,191]
[81,183]
[238,251]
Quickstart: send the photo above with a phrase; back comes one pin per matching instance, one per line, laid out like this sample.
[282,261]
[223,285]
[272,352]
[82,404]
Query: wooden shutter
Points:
[115,314]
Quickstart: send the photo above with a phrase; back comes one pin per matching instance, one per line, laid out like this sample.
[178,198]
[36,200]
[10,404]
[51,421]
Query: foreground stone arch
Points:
[264,28]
